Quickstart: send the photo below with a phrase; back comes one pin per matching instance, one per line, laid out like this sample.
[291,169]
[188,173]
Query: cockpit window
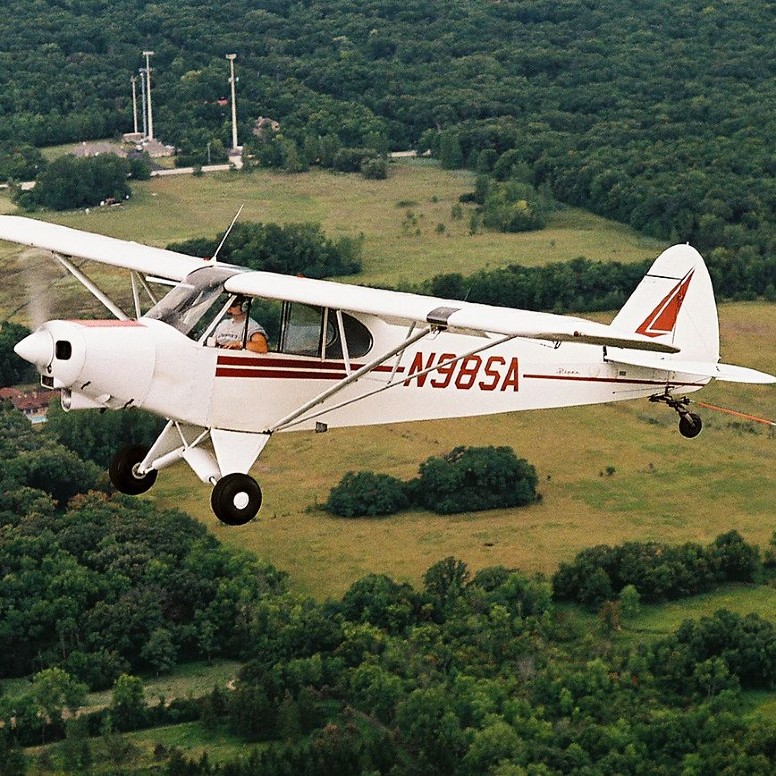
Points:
[189,303]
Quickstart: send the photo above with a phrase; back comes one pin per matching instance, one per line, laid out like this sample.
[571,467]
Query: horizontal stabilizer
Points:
[724,372]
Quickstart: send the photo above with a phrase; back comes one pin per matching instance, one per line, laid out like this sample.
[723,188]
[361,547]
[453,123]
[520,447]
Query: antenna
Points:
[214,257]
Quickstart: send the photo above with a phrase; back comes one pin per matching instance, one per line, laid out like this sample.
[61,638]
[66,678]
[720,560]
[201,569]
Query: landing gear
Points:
[690,424]
[123,471]
[236,499]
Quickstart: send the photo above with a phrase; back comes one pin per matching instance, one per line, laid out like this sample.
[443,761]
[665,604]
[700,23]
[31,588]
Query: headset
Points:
[244,302]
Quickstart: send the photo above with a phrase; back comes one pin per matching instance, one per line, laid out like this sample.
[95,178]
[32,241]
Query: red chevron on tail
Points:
[662,319]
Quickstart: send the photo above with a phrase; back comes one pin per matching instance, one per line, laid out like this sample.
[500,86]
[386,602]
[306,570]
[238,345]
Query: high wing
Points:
[393,306]
[96,247]
[452,315]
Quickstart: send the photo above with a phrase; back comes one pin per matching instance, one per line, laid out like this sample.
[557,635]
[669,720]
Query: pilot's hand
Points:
[233,345]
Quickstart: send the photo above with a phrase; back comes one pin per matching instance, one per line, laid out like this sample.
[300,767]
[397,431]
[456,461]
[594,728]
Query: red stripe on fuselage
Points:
[306,368]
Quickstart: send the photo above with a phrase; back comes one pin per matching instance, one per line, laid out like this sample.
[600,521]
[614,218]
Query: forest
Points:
[658,114]
[470,673]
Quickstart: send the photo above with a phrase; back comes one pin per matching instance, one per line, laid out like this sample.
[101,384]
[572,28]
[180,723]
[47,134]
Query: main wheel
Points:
[236,499]
[123,471]
[690,425]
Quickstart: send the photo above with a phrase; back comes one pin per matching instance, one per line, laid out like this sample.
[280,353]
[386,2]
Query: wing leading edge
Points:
[452,315]
[392,306]
[97,247]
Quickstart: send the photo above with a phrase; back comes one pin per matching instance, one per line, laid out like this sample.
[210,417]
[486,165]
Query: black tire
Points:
[123,473]
[690,425]
[236,499]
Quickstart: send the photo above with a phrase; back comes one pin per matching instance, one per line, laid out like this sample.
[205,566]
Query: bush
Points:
[475,478]
[465,480]
[374,168]
[70,182]
[366,494]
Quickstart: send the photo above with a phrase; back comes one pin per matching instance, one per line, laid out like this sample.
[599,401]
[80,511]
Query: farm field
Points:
[397,248]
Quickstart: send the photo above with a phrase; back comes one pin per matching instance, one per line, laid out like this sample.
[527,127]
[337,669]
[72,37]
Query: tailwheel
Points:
[124,474]
[690,425]
[236,499]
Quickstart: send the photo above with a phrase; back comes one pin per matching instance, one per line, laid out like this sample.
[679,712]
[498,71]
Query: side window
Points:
[300,332]
[356,334]
[302,329]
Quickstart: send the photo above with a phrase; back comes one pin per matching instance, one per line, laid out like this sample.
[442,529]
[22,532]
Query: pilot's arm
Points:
[257,343]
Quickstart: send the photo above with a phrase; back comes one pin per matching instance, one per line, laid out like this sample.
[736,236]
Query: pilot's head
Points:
[239,305]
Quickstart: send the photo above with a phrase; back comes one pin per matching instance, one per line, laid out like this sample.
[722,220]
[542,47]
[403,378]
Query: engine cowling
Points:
[110,363]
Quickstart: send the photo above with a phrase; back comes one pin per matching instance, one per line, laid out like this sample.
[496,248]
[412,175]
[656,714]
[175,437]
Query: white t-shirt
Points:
[230,330]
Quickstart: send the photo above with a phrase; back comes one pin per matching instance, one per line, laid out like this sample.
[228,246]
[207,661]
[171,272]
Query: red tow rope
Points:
[735,413]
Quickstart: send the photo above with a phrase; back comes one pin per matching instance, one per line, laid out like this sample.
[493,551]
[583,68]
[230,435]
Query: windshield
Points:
[190,301]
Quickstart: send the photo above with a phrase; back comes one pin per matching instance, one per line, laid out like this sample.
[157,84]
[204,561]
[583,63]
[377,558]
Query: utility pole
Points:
[148,55]
[134,101]
[231,58]
[143,96]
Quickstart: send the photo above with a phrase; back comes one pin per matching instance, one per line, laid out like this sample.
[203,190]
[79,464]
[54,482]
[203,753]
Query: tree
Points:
[630,601]
[475,478]
[70,182]
[160,651]
[445,580]
[56,691]
[13,369]
[128,706]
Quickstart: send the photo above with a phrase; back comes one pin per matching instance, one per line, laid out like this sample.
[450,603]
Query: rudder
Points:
[674,303]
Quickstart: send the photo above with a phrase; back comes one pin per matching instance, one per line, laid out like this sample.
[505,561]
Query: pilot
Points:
[230,332]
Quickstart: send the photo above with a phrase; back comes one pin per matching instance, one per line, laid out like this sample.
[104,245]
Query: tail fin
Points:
[674,303]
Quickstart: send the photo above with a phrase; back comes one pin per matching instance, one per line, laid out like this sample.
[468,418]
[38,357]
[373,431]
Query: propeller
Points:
[37,282]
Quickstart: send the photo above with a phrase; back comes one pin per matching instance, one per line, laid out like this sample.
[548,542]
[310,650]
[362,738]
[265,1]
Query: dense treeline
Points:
[293,249]
[96,436]
[99,585]
[659,572]
[654,113]
[468,673]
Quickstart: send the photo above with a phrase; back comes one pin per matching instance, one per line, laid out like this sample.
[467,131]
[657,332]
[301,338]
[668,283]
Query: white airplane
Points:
[349,355]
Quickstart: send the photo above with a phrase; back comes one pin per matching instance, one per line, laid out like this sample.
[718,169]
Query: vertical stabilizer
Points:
[674,303]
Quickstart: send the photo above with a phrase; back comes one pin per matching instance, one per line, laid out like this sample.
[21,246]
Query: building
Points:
[33,404]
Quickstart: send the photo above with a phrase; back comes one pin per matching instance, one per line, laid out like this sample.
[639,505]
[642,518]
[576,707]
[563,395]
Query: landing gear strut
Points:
[690,424]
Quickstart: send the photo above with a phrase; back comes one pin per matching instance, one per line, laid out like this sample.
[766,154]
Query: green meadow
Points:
[406,221]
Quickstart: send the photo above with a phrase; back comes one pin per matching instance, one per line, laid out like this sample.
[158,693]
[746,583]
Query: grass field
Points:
[664,487]
[173,208]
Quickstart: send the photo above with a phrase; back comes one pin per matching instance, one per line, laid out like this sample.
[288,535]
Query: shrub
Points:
[366,494]
[475,478]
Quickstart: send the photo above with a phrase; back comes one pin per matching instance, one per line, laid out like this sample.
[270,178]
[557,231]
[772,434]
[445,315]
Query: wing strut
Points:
[351,378]
[295,417]
[91,287]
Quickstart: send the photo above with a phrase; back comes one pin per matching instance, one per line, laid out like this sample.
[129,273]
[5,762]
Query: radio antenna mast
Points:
[214,257]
